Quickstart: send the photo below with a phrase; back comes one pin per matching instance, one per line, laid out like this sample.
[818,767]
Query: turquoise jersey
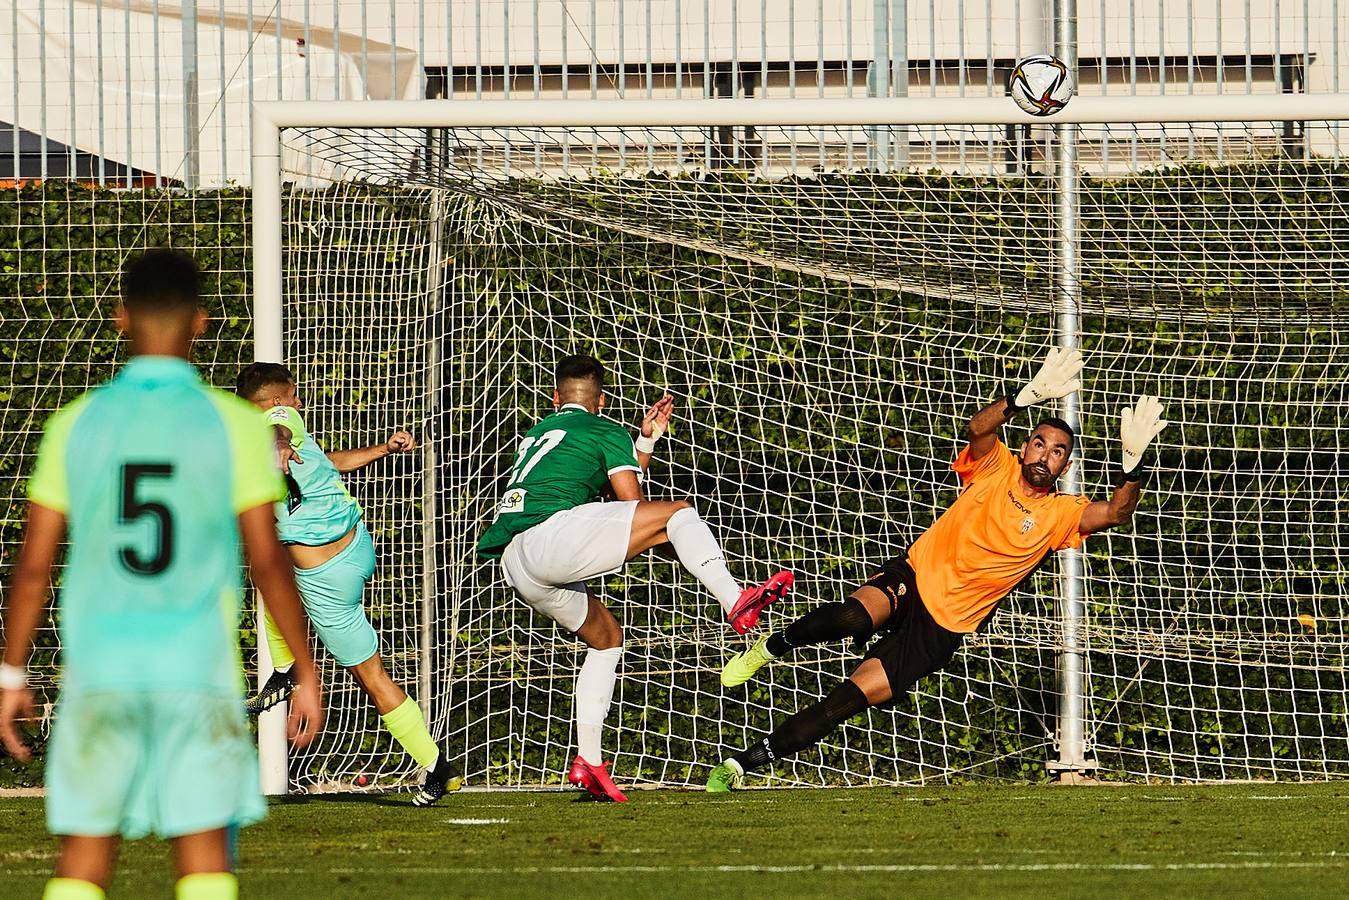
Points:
[317,509]
[151,471]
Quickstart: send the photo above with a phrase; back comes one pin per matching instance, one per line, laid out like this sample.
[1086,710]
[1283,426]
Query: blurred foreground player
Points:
[158,478]
[1006,521]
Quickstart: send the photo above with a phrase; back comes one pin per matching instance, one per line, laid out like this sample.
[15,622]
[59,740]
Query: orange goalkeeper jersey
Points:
[990,539]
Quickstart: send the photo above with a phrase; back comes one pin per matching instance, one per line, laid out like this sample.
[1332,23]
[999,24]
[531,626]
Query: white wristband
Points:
[13,678]
[648,444]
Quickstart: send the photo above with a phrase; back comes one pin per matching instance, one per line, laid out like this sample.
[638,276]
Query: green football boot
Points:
[742,666]
[723,779]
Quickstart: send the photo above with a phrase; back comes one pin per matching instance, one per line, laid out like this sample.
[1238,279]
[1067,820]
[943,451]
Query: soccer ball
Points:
[1041,84]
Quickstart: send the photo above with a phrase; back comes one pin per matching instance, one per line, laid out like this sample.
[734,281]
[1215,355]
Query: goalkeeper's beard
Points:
[1038,475]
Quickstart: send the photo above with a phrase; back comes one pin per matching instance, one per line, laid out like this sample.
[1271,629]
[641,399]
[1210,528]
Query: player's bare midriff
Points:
[303,557]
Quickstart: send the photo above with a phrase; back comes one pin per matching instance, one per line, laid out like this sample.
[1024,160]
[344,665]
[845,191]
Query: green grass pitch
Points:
[1265,840]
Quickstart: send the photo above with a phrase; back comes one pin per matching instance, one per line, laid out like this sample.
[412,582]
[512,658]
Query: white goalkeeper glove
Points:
[1056,378]
[1138,426]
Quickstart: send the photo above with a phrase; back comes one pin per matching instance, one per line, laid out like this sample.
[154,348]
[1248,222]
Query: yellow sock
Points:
[208,886]
[281,655]
[72,889]
[408,728]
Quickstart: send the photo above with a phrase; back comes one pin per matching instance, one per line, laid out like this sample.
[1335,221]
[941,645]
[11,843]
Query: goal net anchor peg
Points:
[1080,772]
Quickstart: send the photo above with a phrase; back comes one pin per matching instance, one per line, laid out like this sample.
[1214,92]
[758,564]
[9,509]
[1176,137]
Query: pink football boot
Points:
[595,779]
[745,614]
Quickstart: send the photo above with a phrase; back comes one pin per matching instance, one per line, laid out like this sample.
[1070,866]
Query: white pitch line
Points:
[477,821]
[800,869]
[1274,797]
[841,869]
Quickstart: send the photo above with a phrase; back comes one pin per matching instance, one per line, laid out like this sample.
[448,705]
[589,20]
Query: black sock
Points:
[777,644]
[755,756]
[806,728]
[829,622]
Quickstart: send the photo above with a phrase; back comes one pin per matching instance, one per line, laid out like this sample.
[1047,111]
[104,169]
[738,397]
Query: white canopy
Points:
[109,79]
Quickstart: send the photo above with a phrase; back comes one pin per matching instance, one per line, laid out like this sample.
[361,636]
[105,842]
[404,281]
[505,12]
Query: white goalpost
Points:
[831,288]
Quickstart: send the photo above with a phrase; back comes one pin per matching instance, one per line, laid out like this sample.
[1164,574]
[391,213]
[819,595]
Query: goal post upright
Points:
[270,118]
[1072,725]
[267,347]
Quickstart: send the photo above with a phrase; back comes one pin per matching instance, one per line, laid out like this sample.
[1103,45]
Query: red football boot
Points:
[745,614]
[595,779]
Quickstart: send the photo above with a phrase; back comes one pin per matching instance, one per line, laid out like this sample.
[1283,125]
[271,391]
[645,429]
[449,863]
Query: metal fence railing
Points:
[131,92]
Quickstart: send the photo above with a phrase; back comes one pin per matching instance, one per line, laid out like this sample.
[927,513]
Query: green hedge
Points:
[62,246]
[841,400]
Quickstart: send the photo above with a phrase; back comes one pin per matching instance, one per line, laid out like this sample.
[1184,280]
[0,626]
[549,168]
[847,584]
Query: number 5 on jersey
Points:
[133,509]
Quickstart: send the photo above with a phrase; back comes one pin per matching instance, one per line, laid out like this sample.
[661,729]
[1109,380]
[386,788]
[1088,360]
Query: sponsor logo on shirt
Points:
[1028,522]
[513,502]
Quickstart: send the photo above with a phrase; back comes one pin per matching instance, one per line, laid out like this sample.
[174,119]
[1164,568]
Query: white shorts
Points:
[548,564]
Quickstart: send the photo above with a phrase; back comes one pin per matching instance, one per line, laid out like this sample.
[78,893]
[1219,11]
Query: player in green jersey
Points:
[551,537]
[157,478]
[320,524]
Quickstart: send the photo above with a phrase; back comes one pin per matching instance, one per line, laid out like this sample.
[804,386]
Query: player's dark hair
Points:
[260,375]
[161,281]
[1060,425]
[580,368]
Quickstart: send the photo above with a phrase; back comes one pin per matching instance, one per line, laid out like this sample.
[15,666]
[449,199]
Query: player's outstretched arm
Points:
[654,423]
[274,577]
[1057,378]
[1138,426]
[360,457]
[28,594]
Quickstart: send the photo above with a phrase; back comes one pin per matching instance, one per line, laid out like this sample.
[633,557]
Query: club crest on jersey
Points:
[1027,524]
[513,502]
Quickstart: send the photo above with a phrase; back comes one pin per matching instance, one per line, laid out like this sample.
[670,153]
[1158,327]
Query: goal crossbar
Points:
[268,116]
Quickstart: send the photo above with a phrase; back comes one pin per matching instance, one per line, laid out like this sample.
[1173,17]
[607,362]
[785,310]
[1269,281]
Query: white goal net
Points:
[829,305]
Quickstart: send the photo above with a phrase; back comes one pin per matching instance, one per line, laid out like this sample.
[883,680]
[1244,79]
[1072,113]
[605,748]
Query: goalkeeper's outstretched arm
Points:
[1057,378]
[983,428]
[1139,424]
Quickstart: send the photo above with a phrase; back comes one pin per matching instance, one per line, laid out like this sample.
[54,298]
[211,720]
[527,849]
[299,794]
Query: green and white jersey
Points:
[151,471]
[318,508]
[563,462]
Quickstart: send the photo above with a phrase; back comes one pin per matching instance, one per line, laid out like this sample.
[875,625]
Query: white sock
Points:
[594,693]
[700,553]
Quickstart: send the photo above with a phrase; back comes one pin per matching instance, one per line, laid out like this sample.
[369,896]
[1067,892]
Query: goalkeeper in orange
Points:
[1006,521]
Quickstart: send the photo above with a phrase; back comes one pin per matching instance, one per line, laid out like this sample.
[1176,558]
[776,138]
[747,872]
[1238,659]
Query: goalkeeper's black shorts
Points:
[915,644]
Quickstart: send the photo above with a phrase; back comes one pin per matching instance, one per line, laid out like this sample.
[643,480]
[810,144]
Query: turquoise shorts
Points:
[333,594]
[135,762]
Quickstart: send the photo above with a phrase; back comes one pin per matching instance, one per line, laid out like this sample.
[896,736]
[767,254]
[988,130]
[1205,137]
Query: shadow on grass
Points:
[399,799]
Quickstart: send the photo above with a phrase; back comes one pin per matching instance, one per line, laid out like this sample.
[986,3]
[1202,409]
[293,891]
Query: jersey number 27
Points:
[532,451]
